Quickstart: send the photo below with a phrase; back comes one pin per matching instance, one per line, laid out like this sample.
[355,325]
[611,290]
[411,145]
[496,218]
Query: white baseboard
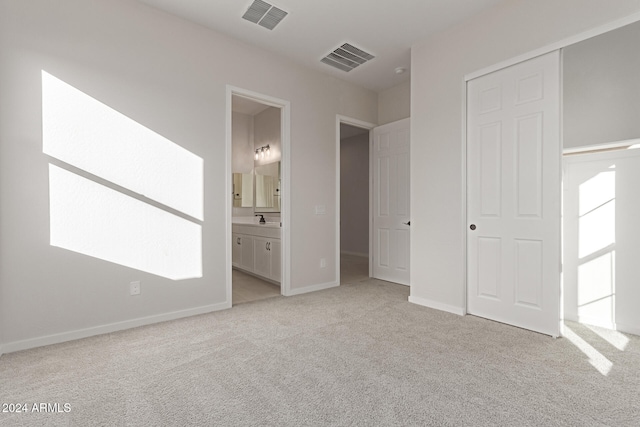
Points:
[629,329]
[108,328]
[312,288]
[360,254]
[596,322]
[460,311]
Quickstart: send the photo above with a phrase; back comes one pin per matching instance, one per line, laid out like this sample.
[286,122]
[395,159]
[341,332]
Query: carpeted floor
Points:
[355,355]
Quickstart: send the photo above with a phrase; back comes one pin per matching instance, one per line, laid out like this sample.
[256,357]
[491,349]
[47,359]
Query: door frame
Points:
[340,119]
[545,318]
[285,211]
[560,45]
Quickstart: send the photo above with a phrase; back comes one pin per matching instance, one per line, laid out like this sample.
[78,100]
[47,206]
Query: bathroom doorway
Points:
[257,206]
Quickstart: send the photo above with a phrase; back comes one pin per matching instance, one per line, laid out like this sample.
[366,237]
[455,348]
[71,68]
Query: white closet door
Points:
[513,189]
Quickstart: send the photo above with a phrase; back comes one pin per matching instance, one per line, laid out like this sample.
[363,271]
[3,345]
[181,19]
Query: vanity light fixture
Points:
[262,152]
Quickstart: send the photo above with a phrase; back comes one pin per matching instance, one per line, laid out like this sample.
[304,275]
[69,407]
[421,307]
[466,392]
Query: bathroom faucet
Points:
[262,221]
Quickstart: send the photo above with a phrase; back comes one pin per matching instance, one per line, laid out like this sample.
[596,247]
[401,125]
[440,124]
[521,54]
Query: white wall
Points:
[601,234]
[266,131]
[166,74]
[394,103]
[439,65]
[242,152]
[601,91]
[242,143]
[354,195]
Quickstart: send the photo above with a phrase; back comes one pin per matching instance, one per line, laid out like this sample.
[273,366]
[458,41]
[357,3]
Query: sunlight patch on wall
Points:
[100,221]
[597,212]
[596,290]
[596,249]
[94,220]
[89,135]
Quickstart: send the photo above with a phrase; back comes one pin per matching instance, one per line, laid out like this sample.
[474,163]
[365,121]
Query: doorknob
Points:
[472,226]
[407,223]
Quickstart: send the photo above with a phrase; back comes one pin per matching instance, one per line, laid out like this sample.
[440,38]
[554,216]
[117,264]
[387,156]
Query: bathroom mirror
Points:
[242,190]
[267,196]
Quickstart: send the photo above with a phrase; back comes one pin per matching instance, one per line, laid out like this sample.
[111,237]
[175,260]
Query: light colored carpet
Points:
[355,355]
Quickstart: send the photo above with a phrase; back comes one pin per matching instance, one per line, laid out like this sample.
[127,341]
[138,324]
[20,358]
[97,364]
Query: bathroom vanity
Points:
[257,249]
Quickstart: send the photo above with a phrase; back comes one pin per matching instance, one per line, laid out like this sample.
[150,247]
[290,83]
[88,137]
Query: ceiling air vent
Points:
[347,57]
[264,14]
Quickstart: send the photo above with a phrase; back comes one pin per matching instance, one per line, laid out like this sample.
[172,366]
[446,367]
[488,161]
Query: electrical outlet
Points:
[323,263]
[134,288]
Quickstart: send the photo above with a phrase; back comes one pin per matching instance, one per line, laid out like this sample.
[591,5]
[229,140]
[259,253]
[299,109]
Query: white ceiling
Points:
[385,28]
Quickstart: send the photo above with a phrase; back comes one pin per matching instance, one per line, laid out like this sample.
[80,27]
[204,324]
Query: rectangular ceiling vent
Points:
[264,14]
[347,57]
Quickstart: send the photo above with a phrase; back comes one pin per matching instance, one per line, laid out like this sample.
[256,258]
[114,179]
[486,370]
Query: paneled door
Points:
[513,195]
[391,203]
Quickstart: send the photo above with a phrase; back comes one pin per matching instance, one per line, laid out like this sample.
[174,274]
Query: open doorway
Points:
[354,201]
[601,172]
[256,141]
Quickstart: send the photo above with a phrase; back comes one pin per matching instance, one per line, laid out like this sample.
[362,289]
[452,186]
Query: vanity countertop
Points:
[266,225]
[270,229]
[254,222]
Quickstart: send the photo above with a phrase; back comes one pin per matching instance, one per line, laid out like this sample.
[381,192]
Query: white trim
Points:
[436,305]
[587,149]
[465,219]
[591,321]
[364,125]
[313,288]
[629,329]
[560,212]
[613,152]
[614,25]
[489,70]
[111,327]
[285,214]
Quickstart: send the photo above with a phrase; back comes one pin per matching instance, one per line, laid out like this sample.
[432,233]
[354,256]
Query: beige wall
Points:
[394,103]
[168,75]
[266,131]
[354,195]
[439,65]
[601,89]
[242,143]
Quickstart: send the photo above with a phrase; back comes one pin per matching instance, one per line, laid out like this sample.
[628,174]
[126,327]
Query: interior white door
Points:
[513,190]
[391,202]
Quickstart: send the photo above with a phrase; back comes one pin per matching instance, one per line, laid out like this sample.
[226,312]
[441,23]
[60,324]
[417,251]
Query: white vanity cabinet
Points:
[242,251]
[267,259]
[257,249]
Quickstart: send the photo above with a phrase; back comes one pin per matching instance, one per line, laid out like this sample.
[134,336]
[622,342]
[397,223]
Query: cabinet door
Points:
[276,260]
[236,249]
[247,252]
[262,260]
